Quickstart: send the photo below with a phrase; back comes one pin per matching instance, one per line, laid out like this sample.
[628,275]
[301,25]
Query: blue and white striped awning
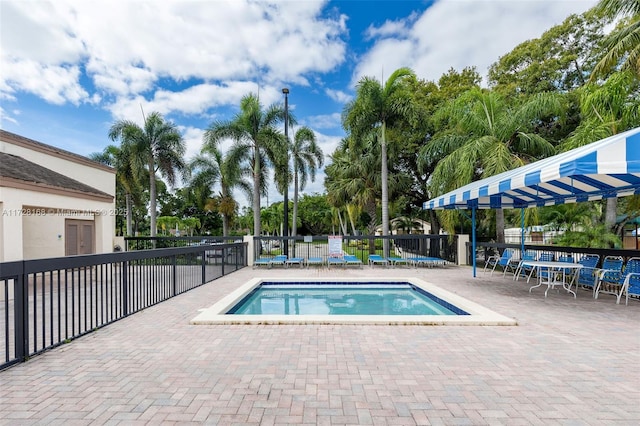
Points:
[604,169]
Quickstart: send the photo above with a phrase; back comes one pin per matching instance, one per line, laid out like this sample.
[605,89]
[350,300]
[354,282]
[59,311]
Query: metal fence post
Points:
[174,275]
[125,288]
[20,317]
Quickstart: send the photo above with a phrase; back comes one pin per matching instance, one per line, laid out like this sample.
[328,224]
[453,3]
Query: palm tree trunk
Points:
[128,202]
[385,191]
[152,197]
[610,214]
[256,193]
[225,225]
[294,226]
[499,226]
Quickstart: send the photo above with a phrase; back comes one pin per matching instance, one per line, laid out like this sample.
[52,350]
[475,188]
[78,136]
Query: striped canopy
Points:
[604,169]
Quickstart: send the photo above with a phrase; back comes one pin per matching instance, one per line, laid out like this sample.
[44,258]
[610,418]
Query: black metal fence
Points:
[48,302]
[404,246]
[149,243]
[486,249]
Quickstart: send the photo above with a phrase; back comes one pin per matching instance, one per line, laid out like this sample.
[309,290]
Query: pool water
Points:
[342,299]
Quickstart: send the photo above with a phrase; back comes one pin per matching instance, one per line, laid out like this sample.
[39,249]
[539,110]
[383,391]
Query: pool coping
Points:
[478,315]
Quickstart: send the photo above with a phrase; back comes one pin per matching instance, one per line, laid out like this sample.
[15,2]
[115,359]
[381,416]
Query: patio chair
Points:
[502,261]
[541,272]
[350,259]
[376,259]
[611,277]
[524,270]
[631,283]
[588,273]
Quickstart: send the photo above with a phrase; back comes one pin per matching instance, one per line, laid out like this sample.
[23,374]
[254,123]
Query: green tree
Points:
[487,136]
[606,110]
[256,143]
[375,107]
[622,44]
[211,167]
[307,158]
[128,179]
[158,147]
[315,214]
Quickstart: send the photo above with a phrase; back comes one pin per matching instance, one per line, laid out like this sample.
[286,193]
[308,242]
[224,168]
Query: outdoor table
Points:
[554,271]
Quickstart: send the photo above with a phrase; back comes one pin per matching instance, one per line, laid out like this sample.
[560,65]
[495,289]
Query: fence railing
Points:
[486,249]
[47,302]
[405,246]
[149,243]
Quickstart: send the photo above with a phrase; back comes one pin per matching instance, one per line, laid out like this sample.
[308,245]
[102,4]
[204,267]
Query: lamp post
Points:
[285,230]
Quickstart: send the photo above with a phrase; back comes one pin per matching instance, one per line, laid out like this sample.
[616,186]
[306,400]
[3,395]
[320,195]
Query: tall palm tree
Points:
[256,141]
[157,147]
[127,177]
[377,106]
[623,41]
[307,158]
[211,167]
[486,136]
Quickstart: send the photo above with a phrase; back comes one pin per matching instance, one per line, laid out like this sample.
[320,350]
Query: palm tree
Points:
[158,147]
[307,158]
[624,41]
[211,167]
[126,177]
[487,137]
[256,141]
[376,107]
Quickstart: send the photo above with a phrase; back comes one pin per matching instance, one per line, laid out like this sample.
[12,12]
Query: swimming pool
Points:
[468,312]
[345,298]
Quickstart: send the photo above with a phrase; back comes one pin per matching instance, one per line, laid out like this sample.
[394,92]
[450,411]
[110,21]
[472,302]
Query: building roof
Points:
[14,169]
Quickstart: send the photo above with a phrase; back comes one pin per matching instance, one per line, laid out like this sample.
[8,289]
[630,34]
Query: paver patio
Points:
[569,361]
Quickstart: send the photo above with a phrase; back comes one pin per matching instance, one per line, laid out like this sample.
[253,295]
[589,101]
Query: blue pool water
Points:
[342,299]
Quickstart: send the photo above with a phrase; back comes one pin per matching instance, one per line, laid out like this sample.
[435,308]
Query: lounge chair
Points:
[318,261]
[502,261]
[280,259]
[335,261]
[398,260]
[352,260]
[263,261]
[376,259]
[631,283]
[294,261]
[427,261]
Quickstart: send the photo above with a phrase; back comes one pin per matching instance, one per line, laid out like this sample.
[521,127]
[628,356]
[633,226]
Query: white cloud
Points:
[129,47]
[4,117]
[461,33]
[328,121]
[339,96]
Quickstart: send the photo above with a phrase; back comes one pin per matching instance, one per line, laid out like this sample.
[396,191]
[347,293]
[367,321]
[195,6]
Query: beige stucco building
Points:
[52,202]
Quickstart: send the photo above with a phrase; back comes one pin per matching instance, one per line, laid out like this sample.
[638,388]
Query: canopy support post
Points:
[522,233]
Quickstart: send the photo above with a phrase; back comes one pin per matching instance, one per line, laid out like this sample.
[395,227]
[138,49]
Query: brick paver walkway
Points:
[569,362]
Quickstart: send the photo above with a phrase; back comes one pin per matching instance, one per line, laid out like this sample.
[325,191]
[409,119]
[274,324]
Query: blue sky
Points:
[70,68]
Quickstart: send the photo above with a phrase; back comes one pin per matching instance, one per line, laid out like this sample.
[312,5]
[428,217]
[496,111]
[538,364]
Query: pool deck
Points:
[568,361]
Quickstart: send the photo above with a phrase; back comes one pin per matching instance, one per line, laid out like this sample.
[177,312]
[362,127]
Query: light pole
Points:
[285,231]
